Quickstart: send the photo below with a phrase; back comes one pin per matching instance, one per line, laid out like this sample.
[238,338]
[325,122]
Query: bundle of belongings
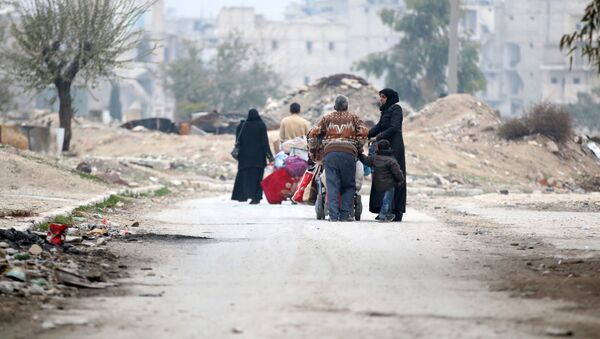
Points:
[290,165]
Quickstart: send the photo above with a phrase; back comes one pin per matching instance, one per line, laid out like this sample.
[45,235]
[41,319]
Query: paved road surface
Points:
[276,272]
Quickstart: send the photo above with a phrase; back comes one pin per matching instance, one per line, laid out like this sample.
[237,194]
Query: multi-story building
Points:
[366,32]
[316,39]
[520,51]
[299,51]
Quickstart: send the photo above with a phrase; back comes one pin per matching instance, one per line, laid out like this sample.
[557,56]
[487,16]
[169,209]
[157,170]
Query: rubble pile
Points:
[318,98]
[30,266]
[457,136]
[457,118]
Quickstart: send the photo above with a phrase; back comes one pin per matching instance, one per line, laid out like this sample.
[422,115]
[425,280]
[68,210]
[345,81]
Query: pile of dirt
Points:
[318,99]
[457,137]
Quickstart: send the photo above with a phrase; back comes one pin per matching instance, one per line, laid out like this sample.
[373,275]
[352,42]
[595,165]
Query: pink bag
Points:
[296,166]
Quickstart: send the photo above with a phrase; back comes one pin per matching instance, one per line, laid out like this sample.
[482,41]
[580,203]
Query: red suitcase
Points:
[279,186]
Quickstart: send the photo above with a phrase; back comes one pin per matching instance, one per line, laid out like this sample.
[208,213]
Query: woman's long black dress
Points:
[390,128]
[254,151]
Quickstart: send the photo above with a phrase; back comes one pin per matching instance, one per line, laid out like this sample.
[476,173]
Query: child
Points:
[386,176]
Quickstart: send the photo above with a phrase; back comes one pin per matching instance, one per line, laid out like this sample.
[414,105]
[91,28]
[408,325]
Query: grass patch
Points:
[162,192]
[59,219]
[110,202]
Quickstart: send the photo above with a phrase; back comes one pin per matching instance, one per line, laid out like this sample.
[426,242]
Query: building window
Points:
[332,46]
[274,45]
[577,81]
[309,47]
[554,80]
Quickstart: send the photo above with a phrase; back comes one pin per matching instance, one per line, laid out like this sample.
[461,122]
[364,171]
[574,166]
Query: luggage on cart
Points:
[279,186]
[321,201]
[306,192]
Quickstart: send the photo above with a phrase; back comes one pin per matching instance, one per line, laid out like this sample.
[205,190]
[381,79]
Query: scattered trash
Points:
[17,274]
[504,192]
[21,256]
[99,231]
[237,330]
[56,234]
[559,332]
[136,224]
[592,146]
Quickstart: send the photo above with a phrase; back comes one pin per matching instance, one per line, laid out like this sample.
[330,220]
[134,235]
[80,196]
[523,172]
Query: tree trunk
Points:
[65,111]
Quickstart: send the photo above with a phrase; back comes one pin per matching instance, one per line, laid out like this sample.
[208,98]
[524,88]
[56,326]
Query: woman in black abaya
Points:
[254,152]
[390,128]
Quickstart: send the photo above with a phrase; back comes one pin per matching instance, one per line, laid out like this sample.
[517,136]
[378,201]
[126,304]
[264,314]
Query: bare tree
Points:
[65,42]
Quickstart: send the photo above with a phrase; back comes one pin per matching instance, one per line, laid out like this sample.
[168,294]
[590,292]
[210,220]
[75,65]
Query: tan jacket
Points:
[292,127]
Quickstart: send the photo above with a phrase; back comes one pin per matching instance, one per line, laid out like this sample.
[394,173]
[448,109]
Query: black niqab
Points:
[392,98]
[253,115]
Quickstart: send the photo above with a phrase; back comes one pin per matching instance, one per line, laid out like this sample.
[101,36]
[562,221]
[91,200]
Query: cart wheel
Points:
[320,207]
[358,207]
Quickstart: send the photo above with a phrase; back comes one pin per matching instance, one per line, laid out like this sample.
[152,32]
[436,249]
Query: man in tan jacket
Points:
[293,126]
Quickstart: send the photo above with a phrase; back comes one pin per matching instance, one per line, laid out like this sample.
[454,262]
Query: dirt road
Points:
[245,271]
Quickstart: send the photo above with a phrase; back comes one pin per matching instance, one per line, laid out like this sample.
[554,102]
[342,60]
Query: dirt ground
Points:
[525,262]
[556,257]
[29,312]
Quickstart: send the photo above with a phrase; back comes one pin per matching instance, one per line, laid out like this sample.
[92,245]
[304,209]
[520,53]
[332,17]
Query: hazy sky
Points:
[271,9]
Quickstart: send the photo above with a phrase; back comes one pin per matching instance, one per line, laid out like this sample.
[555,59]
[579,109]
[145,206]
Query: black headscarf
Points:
[392,98]
[253,115]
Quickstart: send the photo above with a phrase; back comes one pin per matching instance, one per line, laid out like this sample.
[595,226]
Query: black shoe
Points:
[377,218]
[398,217]
[347,219]
[254,202]
[333,220]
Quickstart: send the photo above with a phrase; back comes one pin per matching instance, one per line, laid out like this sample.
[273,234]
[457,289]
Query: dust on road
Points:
[263,275]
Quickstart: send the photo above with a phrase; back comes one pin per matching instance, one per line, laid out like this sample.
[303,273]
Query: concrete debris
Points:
[17,274]
[113,178]
[35,250]
[84,167]
[592,146]
[318,98]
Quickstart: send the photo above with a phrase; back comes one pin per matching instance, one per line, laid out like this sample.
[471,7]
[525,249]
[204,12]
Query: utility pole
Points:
[453,50]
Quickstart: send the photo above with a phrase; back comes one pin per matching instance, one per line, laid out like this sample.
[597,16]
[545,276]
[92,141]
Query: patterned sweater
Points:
[341,132]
